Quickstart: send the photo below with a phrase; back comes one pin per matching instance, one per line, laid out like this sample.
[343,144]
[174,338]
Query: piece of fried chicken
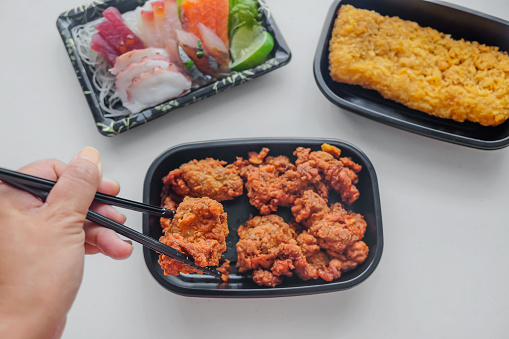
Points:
[317,263]
[198,229]
[268,246]
[339,173]
[336,230]
[274,181]
[204,178]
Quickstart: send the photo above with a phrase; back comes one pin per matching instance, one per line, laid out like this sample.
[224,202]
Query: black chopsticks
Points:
[47,185]
[40,188]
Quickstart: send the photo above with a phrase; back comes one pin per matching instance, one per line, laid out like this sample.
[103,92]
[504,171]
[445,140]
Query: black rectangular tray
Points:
[279,57]
[450,19]
[239,210]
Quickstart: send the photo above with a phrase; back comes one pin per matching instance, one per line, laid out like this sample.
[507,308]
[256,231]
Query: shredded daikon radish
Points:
[102,80]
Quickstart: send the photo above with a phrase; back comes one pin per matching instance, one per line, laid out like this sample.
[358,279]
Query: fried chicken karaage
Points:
[322,240]
[198,229]
[334,227]
[274,181]
[339,174]
[205,178]
[267,246]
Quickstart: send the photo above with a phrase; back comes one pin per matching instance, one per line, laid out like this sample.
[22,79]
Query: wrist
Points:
[27,321]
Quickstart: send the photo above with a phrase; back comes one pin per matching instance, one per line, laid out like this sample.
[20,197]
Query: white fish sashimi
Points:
[172,16]
[214,46]
[152,88]
[136,55]
[202,60]
[125,78]
[168,34]
[150,34]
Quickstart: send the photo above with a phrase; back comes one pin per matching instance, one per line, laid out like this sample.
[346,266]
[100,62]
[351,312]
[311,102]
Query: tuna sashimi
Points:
[115,31]
[152,88]
[123,61]
[125,78]
[102,47]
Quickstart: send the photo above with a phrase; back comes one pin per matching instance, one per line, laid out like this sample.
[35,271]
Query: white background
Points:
[444,271]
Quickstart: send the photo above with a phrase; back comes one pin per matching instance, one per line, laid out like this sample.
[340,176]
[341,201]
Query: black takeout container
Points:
[460,23]
[239,210]
[107,126]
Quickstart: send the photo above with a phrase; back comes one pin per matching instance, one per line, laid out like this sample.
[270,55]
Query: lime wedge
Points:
[249,47]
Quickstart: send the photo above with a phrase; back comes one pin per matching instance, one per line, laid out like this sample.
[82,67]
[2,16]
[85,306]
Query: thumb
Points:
[76,187]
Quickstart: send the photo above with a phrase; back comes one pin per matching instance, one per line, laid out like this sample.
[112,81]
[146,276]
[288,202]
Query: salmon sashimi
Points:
[222,12]
[211,13]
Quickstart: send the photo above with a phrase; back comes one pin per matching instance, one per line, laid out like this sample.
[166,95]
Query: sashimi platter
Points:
[137,60]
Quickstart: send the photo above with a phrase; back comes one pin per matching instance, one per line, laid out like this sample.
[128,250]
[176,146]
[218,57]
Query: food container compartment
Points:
[457,21]
[239,210]
[107,126]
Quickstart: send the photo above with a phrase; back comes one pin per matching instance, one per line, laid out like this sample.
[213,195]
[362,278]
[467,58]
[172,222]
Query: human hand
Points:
[42,245]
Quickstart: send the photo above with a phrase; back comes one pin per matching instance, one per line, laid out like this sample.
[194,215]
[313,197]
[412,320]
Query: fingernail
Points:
[112,182]
[125,217]
[91,154]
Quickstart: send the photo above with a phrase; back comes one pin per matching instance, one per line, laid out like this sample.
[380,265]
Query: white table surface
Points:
[444,271]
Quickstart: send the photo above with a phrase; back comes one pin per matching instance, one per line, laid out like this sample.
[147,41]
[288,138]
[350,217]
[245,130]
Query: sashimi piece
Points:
[222,12]
[192,12]
[171,13]
[214,46]
[168,35]
[211,13]
[125,78]
[152,88]
[102,47]
[151,35]
[123,61]
[108,32]
[124,39]
[191,45]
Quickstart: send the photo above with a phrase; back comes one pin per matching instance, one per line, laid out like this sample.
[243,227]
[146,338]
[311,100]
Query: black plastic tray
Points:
[451,19]
[279,57]
[242,285]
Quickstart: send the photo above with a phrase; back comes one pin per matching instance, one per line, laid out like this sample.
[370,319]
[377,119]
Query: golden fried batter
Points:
[199,230]
[267,245]
[322,240]
[354,255]
[317,264]
[334,227]
[420,67]
[205,178]
[274,181]
[340,174]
